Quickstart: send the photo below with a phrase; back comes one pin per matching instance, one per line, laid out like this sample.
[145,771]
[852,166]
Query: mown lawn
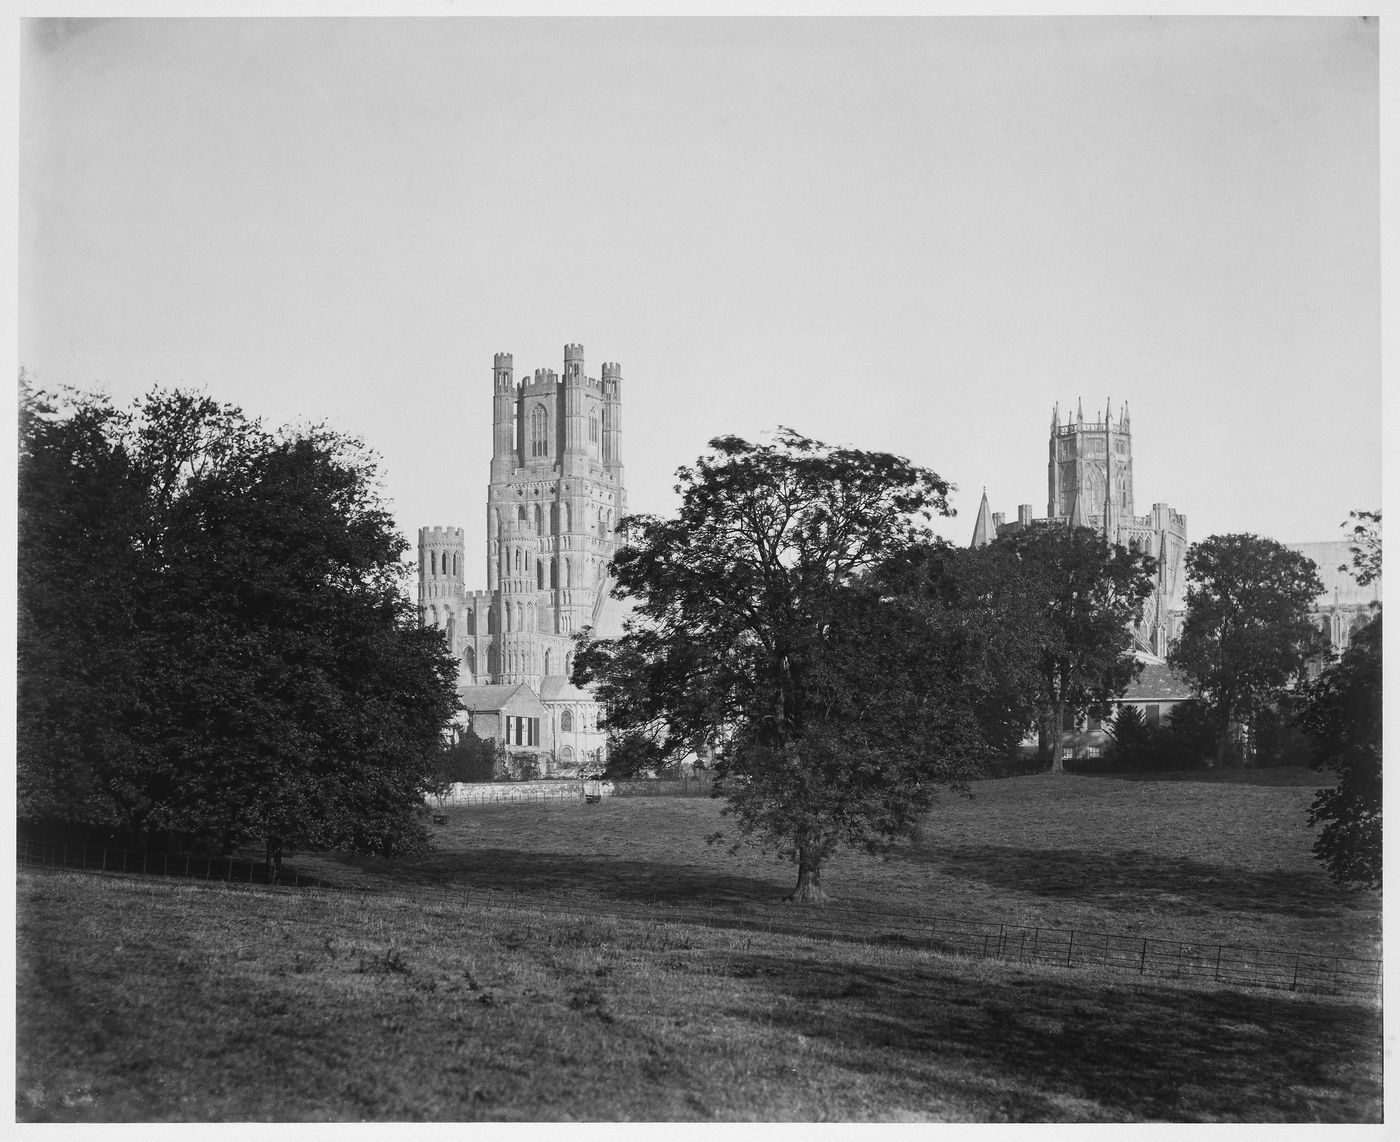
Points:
[156,1000]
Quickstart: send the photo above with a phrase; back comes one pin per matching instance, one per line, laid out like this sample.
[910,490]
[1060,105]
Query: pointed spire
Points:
[1055,417]
[1081,410]
[1108,412]
[982,532]
[1124,421]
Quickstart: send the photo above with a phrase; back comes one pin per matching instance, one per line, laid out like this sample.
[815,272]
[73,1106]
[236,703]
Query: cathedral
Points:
[555,497]
[1091,485]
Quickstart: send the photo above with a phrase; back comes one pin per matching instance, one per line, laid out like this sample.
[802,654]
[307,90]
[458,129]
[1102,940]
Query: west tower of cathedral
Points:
[555,496]
[1090,476]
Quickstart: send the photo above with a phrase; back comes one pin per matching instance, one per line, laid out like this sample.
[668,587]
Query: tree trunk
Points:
[809,877]
[1055,735]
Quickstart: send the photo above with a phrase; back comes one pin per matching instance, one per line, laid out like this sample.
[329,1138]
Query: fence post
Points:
[104,858]
[1035,944]
[1219,950]
[1296,957]
[1069,955]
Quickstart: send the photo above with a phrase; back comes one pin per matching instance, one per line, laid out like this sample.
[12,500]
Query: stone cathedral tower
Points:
[1090,480]
[553,503]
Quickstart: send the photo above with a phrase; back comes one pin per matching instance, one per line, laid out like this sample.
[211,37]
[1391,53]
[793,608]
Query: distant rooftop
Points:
[1341,588]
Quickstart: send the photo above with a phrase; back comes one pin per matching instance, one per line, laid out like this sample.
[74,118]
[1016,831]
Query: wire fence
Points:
[1164,957]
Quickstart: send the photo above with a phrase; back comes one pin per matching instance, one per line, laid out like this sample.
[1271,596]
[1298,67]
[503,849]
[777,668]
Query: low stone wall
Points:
[501,792]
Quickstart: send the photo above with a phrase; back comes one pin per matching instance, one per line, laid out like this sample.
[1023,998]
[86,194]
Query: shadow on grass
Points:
[1038,1047]
[1127,880]
[612,878]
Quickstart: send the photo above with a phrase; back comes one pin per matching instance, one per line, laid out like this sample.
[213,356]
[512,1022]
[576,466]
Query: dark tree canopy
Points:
[1342,712]
[986,605]
[833,712]
[467,758]
[1247,634]
[1048,613]
[214,637]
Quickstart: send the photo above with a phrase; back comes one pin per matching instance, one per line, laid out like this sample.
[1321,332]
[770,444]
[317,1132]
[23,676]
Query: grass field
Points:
[171,1001]
[1224,861]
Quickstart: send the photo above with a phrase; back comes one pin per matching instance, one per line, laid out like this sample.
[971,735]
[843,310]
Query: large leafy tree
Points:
[1247,634]
[214,637]
[1342,711]
[981,601]
[833,711]
[1365,547]
[1049,613]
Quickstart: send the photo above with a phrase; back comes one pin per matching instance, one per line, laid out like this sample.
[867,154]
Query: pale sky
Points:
[913,235]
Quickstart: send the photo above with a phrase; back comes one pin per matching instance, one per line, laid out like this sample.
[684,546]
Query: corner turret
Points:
[503,450]
[573,363]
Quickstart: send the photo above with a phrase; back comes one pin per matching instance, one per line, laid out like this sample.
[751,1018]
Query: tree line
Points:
[799,623]
[216,643]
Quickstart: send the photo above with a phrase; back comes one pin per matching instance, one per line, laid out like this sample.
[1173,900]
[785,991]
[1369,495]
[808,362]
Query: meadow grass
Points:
[149,1000]
[394,1000]
[1217,858]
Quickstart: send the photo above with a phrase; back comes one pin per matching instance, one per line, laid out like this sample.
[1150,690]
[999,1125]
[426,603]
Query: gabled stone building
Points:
[554,499]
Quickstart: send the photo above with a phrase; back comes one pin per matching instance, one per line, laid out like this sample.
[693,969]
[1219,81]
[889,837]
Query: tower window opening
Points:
[539,431]
[593,426]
